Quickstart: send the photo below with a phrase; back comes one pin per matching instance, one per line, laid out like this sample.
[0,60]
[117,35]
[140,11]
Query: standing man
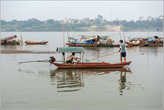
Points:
[122,51]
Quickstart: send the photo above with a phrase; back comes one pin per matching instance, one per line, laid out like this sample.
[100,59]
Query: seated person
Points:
[77,60]
[72,59]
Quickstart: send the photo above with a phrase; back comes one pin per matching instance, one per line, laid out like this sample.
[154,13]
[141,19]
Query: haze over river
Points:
[41,86]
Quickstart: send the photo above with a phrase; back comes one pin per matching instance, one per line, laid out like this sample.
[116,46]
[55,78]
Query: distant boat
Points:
[154,41]
[27,42]
[94,41]
[10,40]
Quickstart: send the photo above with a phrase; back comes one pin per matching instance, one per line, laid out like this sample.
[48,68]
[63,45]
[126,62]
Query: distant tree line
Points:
[86,24]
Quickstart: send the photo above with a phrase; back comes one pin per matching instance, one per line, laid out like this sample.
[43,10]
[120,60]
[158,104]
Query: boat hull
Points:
[8,38]
[36,43]
[101,65]
[92,45]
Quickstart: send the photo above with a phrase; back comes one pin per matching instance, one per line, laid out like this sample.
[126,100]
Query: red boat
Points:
[10,41]
[81,64]
[8,38]
[91,65]
[36,43]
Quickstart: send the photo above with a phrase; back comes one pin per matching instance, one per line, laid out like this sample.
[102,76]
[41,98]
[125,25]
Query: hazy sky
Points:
[23,10]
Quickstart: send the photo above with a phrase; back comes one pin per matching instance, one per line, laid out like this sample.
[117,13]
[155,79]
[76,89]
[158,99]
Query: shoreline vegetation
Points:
[83,25]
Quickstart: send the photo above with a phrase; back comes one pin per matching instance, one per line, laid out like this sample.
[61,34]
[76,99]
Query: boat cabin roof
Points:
[71,49]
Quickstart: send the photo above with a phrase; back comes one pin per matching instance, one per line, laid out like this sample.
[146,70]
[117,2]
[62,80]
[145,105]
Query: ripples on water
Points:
[43,86]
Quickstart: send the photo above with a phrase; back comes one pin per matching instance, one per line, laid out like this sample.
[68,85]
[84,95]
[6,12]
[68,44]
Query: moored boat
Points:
[154,41]
[91,41]
[36,43]
[8,38]
[133,42]
[11,40]
[81,45]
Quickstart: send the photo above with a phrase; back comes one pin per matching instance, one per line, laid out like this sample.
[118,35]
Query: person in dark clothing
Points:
[5,42]
[52,59]
[71,58]
[63,56]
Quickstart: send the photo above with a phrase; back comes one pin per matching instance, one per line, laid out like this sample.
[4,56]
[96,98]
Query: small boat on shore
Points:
[81,64]
[133,42]
[8,38]
[11,40]
[27,42]
[92,45]
[154,41]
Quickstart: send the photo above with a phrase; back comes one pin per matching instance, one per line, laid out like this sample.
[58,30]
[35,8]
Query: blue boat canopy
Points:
[70,49]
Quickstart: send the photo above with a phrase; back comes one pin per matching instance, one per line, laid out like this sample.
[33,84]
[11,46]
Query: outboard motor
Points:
[52,59]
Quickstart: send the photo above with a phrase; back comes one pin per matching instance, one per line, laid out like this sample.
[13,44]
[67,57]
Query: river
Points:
[41,86]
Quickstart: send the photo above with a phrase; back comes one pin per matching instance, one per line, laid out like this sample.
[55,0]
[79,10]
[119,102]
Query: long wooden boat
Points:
[81,45]
[36,43]
[12,42]
[8,38]
[83,65]
[91,45]
[92,65]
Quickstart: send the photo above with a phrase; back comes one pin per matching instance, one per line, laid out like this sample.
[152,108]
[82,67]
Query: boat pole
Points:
[0,23]
[45,61]
[124,36]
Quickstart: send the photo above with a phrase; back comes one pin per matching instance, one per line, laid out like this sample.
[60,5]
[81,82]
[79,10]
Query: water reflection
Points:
[151,50]
[69,80]
[9,47]
[122,82]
